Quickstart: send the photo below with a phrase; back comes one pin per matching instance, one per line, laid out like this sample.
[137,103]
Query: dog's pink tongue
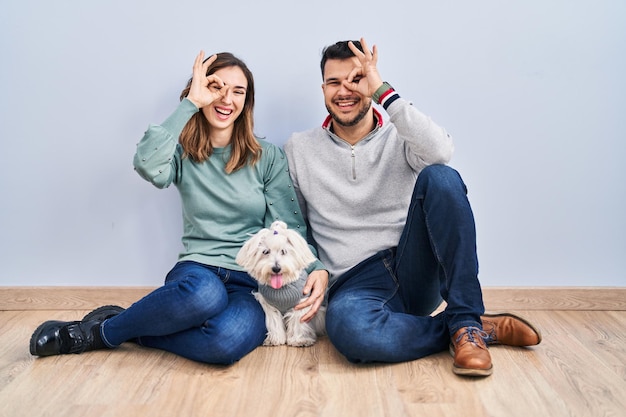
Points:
[276,281]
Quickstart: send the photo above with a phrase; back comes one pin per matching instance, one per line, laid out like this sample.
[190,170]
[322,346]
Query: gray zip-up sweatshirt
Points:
[356,198]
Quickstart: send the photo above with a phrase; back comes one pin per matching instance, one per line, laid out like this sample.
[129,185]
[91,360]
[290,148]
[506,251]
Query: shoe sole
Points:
[515,316]
[468,371]
[472,372]
[97,313]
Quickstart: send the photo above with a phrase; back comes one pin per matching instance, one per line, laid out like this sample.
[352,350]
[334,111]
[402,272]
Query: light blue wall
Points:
[533,92]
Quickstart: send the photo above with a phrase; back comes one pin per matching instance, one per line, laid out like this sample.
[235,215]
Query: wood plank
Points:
[578,370]
[68,298]
[568,363]
[495,298]
[555,298]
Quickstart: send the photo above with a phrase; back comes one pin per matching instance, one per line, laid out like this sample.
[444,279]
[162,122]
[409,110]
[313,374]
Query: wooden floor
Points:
[578,370]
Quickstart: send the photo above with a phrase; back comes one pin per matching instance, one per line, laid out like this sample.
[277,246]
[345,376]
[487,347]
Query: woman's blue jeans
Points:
[203,313]
[379,311]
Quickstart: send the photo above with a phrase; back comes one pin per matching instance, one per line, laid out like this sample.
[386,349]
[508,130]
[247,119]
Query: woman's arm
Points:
[156,158]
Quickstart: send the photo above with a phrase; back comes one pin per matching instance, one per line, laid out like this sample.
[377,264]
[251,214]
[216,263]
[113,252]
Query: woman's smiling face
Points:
[222,113]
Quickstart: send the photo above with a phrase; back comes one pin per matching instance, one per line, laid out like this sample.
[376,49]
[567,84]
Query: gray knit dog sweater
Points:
[287,296]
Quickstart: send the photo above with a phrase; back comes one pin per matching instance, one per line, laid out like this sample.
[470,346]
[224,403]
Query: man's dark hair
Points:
[340,50]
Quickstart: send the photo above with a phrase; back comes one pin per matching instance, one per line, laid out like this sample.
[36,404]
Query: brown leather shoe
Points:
[509,329]
[471,356]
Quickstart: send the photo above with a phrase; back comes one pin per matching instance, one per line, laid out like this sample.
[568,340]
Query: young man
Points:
[393,225]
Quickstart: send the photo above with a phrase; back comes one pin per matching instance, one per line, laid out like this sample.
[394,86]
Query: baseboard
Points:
[496,298]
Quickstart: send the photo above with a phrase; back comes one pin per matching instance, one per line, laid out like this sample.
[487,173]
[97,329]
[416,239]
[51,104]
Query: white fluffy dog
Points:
[277,258]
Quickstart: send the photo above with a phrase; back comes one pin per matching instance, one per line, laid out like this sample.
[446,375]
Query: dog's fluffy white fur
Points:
[276,257]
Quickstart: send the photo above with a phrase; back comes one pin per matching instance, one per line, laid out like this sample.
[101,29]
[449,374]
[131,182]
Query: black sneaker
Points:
[103,313]
[62,337]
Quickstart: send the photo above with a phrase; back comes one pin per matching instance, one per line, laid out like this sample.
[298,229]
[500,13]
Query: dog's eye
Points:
[266,251]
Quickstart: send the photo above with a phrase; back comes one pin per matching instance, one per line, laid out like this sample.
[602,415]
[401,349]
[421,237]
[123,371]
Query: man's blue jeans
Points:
[203,313]
[379,310]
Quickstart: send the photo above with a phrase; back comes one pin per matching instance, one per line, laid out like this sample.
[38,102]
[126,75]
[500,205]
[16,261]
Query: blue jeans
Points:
[379,310]
[203,313]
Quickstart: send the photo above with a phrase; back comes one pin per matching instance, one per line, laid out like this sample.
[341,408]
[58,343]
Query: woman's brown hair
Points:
[245,148]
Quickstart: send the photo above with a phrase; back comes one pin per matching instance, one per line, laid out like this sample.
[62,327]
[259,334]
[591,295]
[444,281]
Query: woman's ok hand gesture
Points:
[204,89]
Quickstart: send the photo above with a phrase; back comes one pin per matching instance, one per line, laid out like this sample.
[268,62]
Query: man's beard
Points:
[351,122]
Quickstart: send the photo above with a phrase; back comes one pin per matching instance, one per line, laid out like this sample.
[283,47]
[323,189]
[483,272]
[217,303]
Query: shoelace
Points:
[470,332]
[491,335]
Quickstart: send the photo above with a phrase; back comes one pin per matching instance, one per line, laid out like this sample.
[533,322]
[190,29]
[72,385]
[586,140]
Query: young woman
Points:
[231,185]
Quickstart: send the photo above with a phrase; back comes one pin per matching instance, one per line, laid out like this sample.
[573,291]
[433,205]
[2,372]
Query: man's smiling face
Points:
[346,107]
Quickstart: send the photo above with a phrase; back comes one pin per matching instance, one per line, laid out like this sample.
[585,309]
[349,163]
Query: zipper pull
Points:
[353,157]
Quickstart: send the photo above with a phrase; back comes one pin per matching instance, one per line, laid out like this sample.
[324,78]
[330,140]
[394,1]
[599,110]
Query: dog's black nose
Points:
[276,269]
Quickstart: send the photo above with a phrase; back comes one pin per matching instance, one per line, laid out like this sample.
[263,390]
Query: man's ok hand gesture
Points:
[364,78]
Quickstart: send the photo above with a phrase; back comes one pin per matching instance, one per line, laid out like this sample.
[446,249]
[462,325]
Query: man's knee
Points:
[440,178]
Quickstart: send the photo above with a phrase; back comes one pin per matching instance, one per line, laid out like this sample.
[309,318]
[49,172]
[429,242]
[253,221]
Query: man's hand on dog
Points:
[315,287]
